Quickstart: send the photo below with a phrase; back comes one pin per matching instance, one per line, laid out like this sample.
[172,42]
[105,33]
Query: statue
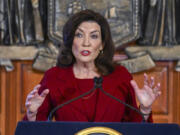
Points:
[21,22]
[159,23]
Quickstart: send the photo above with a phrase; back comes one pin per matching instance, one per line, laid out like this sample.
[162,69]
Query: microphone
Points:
[97,84]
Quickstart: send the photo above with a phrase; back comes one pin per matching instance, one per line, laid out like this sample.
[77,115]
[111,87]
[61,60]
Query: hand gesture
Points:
[149,93]
[34,100]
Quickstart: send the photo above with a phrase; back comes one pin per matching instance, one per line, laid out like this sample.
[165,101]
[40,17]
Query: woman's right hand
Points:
[34,101]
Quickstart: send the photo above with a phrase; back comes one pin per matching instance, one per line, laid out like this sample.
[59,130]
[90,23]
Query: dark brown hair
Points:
[104,61]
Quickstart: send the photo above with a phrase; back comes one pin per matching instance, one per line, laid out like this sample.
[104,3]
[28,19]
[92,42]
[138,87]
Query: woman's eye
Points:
[94,36]
[78,35]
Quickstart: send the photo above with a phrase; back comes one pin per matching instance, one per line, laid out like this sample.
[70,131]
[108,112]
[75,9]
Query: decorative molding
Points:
[157,53]
[138,64]
[18,52]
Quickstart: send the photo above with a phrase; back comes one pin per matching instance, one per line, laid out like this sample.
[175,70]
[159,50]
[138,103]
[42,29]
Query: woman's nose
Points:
[86,41]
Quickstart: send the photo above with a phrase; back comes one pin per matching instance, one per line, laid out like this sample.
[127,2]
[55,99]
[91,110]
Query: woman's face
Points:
[87,42]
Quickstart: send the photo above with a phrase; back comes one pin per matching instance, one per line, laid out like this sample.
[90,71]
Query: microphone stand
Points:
[120,101]
[100,80]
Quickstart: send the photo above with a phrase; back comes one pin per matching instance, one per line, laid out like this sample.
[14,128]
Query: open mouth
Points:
[85,52]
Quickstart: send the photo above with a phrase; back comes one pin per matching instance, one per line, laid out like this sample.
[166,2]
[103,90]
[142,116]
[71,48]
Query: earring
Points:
[101,51]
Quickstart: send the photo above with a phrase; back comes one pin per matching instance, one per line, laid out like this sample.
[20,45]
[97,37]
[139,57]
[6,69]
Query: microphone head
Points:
[98,81]
[95,79]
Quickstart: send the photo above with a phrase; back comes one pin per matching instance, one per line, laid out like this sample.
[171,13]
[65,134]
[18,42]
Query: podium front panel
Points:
[72,128]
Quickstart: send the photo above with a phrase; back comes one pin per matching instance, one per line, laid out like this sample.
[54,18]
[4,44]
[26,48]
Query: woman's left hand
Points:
[149,93]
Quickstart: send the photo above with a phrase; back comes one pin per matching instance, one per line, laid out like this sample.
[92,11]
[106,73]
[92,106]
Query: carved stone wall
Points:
[128,20]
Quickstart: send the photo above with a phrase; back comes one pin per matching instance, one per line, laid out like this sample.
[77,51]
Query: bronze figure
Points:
[159,22]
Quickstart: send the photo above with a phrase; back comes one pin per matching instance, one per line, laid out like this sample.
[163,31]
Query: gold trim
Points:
[105,130]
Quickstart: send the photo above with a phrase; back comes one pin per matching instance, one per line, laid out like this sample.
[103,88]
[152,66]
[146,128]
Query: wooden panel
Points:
[15,85]
[1,108]
[176,97]
[162,108]
[2,101]
[11,78]
[28,80]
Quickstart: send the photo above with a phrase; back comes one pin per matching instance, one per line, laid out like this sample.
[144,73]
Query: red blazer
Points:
[95,107]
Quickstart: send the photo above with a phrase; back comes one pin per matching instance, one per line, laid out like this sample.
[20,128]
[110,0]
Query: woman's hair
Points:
[104,61]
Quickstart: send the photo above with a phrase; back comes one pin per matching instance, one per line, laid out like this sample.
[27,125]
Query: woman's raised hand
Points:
[148,94]
[34,101]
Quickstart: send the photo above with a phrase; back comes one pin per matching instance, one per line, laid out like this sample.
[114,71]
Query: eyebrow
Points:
[91,32]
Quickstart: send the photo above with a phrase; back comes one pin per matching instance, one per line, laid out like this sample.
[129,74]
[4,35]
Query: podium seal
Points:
[98,131]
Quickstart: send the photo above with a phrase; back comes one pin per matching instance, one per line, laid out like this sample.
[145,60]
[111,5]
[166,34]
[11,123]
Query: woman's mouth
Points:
[85,52]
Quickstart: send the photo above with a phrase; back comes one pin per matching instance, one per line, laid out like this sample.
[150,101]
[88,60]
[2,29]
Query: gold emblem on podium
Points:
[98,131]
